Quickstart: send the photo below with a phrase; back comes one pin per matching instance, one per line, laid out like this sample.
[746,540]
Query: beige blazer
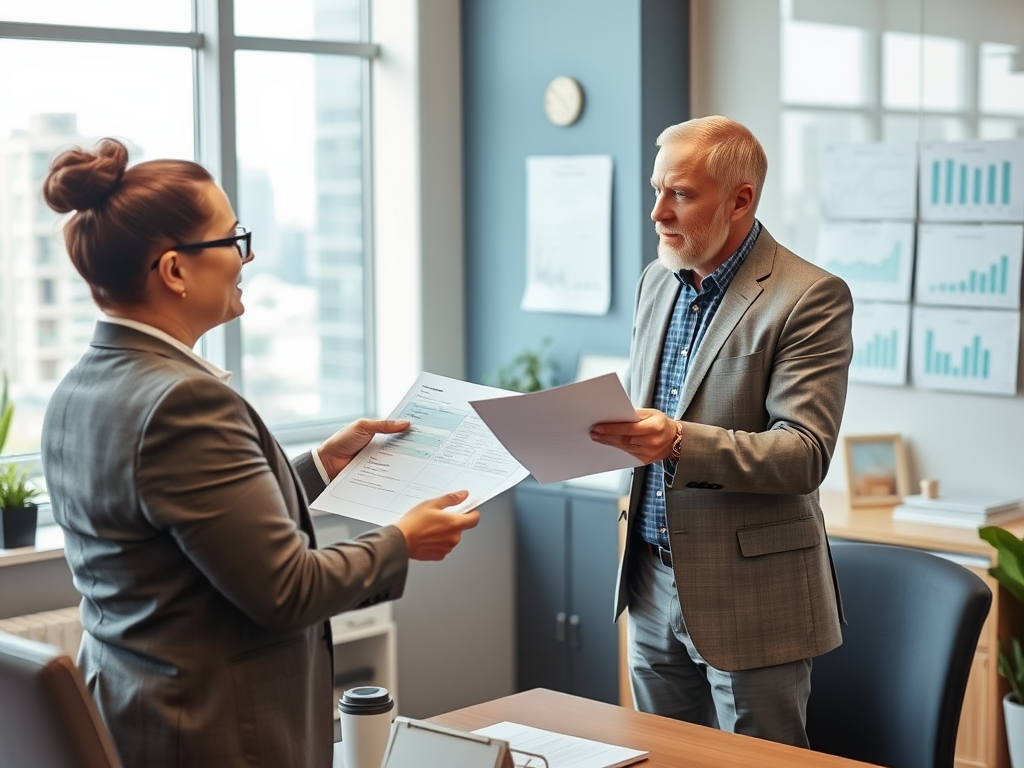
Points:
[204,598]
[762,405]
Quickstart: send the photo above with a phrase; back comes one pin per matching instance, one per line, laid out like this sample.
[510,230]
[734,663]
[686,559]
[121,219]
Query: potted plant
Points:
[18,513]
[529,371]
[1009,571]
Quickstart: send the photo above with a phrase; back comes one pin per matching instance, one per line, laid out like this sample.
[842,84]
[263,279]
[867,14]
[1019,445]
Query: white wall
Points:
[969,442]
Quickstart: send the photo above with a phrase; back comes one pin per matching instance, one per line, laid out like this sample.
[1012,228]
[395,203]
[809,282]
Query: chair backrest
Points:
[47,717]
[891,694]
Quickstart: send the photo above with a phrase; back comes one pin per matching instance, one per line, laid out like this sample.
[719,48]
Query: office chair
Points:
[47,717]
[891,694]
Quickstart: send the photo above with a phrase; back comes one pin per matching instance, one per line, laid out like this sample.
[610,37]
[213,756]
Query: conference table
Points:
[671,744]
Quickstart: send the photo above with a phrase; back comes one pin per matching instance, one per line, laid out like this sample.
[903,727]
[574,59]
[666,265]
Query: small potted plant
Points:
[529,371]
[18,511]
[1009,571]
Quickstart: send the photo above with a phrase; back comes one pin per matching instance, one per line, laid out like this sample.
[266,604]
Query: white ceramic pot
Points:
[1013,715]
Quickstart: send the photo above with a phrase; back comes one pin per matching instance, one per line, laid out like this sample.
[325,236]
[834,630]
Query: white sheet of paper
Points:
[447,448]
[548,432]
[560,750]
[568,234]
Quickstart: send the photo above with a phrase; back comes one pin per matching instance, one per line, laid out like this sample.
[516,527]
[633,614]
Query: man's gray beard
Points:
[671,259]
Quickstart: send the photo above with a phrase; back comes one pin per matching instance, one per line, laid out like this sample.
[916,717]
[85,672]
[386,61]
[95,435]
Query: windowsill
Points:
[49,546]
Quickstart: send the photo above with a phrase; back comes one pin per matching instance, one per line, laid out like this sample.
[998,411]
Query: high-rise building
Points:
[46,313]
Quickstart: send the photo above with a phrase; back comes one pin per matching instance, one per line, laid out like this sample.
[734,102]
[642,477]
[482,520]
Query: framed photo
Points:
[876,469]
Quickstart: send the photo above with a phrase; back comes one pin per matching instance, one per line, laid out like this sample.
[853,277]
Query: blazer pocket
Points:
[802,533]
[728,366]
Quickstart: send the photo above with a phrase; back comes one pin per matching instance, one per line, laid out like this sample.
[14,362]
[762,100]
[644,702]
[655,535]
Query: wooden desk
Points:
[981,740]
[672,744]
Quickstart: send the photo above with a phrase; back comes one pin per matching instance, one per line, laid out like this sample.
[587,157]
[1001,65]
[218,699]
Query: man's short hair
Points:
[732,154]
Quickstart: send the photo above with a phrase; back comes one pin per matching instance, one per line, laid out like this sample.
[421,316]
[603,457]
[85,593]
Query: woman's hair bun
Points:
[80,179]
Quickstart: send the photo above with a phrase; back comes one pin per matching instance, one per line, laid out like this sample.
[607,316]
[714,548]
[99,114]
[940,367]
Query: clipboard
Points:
[415,743]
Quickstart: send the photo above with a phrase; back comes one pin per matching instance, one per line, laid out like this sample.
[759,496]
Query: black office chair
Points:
[47,717]
[891,694]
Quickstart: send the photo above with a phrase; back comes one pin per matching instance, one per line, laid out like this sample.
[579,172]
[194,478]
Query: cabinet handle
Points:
[574,632]
[560,627]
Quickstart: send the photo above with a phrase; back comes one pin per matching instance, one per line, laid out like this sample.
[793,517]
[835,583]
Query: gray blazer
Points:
[762,403]
[204,598]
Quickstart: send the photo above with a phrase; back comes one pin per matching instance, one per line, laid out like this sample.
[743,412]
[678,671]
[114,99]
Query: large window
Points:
[272,99]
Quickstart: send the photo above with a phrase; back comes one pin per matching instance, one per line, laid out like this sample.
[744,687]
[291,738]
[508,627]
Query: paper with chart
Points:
[969,265]
[972,181]
[447,448]
[875,258]
[873,180]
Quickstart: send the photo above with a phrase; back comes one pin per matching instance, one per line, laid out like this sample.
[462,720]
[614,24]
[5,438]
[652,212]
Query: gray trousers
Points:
[670,678]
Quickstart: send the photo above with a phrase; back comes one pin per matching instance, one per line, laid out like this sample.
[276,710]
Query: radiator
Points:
[62,628]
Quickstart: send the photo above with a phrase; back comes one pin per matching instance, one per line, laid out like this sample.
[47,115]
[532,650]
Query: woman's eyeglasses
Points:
[242,241]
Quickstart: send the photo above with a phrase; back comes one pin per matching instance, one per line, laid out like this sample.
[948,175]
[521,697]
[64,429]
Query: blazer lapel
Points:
[743,290]
[659,309]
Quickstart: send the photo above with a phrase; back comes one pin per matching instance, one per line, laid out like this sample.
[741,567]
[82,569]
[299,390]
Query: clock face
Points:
[563,100]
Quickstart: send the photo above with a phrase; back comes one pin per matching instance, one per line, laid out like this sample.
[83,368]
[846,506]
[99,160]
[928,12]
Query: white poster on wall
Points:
[969,265]
[875,258]
[876,180]
[972,180]
[568,234]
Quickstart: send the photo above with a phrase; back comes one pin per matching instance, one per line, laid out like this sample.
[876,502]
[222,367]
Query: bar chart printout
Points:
[875,258]
[972,181]
[965,350]
[969,265]
[875,180]
[881,343]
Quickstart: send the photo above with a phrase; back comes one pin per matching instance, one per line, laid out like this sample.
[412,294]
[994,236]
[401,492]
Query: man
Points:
[738,367]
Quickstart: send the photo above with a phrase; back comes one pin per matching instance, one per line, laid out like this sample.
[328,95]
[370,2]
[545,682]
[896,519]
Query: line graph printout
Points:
[875,258]
[972,181]
[969,265]
[965,350]
[446,448]
[881,343]
[875,180]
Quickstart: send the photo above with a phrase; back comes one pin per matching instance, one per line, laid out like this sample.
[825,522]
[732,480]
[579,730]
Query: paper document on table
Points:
[447,448]
[559,750]
[549,431]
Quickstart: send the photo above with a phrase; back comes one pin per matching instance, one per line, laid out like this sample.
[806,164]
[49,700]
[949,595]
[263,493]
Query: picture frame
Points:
[876,469]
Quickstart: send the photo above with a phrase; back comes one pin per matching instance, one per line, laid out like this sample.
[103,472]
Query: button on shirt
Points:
[691,317]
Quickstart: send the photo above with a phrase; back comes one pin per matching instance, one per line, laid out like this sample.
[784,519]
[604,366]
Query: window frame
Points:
[214,44]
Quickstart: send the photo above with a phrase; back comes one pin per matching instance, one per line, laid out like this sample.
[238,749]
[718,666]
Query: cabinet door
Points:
[593,639]
[541,568]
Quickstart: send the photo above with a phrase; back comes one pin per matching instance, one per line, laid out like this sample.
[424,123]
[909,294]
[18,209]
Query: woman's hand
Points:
[431,531]
[339,449]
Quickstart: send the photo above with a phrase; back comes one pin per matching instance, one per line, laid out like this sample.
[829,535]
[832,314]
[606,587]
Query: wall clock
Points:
[563,101]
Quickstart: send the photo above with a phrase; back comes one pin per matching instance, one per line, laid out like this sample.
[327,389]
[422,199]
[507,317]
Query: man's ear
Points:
[743,201]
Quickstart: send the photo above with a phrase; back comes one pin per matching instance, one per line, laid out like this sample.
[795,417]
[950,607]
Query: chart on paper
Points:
[446,448]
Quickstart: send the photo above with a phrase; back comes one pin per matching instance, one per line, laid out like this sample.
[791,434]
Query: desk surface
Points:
[671,744]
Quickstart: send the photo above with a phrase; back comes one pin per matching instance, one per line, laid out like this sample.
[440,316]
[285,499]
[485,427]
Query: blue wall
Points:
[635,84]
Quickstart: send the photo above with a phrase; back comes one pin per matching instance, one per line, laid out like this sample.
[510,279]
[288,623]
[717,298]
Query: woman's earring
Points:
[183,294]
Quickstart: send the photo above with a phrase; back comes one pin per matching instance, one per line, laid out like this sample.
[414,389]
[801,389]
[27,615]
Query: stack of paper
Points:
[959,510]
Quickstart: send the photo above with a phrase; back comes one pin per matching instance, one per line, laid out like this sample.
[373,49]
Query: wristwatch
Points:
[677,444]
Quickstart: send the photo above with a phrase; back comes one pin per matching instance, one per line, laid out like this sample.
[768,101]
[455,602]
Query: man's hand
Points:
[430,531]
[649,439]
[339,449]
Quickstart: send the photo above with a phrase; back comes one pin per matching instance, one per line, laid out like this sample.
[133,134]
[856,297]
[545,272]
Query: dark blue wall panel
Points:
[511,49]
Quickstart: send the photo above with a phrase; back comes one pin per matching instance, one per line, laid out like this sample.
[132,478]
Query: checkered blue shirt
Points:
[691,317]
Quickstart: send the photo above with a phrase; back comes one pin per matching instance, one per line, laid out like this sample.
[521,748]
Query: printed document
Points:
[559,750]
[446,448]
[549,431]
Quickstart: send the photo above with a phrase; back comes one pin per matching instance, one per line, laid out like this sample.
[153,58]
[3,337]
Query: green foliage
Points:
[6,414]
[529,371]
[1009,571]
[16,489]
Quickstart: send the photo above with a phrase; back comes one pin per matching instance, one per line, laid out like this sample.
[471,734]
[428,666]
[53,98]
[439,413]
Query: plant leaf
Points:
[1009,568]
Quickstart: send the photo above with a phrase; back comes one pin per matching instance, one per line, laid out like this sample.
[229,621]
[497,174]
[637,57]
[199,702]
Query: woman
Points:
[204,598]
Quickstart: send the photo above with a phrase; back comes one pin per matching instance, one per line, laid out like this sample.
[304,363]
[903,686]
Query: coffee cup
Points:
[366,715]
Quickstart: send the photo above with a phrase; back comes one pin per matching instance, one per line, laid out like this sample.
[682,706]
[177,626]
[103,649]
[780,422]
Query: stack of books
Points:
[959,510]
